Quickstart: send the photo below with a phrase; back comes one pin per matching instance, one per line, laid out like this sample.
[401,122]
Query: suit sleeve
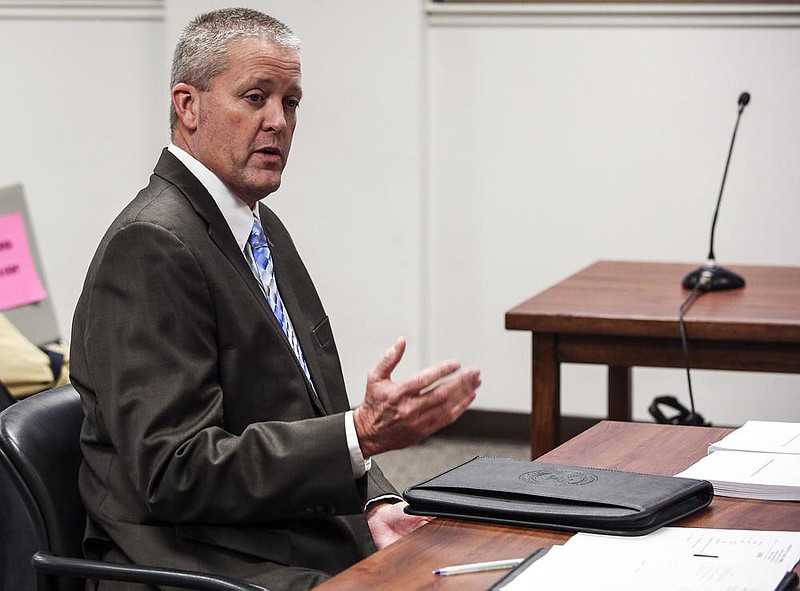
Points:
[152,357]
[378,485]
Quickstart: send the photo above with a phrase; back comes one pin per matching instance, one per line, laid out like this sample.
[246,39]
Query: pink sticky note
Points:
[19,281]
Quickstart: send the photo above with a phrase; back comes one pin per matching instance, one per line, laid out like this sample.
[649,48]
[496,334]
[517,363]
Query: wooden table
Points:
[650,448]
[625,314]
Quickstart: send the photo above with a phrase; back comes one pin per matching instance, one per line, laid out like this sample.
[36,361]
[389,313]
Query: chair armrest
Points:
[49,564]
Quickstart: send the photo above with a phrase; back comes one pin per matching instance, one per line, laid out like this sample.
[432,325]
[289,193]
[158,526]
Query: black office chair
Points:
[6,399]
[42,517]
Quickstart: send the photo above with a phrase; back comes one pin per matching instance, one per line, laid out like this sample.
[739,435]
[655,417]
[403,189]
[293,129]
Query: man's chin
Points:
[258,189]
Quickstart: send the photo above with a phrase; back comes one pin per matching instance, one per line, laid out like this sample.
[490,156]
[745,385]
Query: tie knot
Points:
[257,237]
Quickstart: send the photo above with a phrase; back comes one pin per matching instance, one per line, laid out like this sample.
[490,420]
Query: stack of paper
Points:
[750,475]
[672,558]
[760,460]
[763,436]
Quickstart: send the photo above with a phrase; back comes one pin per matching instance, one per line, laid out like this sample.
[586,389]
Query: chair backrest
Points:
[40,458]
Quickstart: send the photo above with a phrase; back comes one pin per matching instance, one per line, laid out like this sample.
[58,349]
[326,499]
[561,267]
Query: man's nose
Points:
[274,116]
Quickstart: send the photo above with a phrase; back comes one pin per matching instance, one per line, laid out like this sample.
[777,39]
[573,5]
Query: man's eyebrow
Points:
[272,84]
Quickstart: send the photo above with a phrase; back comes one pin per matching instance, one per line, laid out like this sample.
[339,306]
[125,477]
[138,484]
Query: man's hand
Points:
[388,523]
[396,415]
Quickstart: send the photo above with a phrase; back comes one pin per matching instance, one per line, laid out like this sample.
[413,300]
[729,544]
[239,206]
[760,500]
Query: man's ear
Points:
[185,99]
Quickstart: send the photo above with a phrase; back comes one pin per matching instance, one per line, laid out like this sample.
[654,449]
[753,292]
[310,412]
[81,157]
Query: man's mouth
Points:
[271,153]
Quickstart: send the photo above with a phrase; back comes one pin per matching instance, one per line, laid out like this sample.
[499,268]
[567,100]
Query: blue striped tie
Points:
[263,258]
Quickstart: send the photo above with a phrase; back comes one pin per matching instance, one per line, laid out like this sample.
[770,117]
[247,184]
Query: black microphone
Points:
[710,277]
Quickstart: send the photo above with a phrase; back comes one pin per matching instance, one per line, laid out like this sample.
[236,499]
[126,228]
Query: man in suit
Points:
[218,436]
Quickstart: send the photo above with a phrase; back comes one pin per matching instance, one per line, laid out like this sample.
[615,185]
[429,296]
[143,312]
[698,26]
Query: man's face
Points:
[246,120]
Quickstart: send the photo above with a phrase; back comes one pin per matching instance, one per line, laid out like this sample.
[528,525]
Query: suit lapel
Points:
[172,170]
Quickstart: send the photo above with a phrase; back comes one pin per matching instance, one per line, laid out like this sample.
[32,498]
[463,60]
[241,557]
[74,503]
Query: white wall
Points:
[554,144]
[444,169]
[80,122]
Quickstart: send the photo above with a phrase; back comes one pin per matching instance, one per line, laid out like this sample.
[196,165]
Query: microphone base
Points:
[715,279]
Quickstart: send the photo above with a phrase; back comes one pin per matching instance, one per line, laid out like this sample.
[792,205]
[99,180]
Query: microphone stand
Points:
[707,278]
[710,277]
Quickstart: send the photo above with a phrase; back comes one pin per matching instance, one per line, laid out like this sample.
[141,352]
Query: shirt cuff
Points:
[359,465]
[391,499]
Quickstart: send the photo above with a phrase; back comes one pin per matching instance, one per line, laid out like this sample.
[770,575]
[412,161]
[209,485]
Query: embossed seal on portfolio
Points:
[558,477]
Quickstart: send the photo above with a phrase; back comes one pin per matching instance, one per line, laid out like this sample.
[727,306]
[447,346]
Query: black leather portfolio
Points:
[534,494]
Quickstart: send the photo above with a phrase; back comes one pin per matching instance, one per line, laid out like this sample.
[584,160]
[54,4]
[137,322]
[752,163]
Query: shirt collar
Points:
[236,212]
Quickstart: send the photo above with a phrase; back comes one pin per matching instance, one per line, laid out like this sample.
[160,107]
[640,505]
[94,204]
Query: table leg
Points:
[545,395]
[619,393]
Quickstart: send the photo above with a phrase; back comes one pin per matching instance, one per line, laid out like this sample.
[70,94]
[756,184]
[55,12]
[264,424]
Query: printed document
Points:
[670,559]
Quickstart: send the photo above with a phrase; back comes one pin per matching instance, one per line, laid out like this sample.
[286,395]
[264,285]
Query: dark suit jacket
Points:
[205,446]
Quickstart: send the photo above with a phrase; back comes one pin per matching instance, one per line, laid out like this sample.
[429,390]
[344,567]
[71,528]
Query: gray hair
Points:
[201,52]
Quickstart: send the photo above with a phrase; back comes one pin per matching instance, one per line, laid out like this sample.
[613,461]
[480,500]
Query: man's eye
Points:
[254,97]
[292,103]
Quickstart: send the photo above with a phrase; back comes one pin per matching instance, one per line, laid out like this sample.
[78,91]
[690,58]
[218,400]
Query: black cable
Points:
[697,291]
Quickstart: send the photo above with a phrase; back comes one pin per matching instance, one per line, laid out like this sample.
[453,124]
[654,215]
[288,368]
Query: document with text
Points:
[670,559]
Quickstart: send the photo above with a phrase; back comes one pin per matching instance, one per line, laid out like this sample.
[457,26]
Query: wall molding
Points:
[91,10]
[597,14]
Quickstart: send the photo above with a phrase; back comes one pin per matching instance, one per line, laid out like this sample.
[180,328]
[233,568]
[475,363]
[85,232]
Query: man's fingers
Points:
[444,403]
[429,376]
[383,370]
[454,388]
[397,414]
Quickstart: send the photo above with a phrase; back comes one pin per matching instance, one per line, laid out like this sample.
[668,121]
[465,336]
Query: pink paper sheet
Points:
[19,281]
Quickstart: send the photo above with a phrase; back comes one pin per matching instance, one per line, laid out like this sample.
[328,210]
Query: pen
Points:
[476,567]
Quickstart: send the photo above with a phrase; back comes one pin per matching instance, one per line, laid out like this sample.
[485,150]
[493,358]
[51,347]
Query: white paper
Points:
[780,548]
[670,559]
[754,475]
[762,436]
